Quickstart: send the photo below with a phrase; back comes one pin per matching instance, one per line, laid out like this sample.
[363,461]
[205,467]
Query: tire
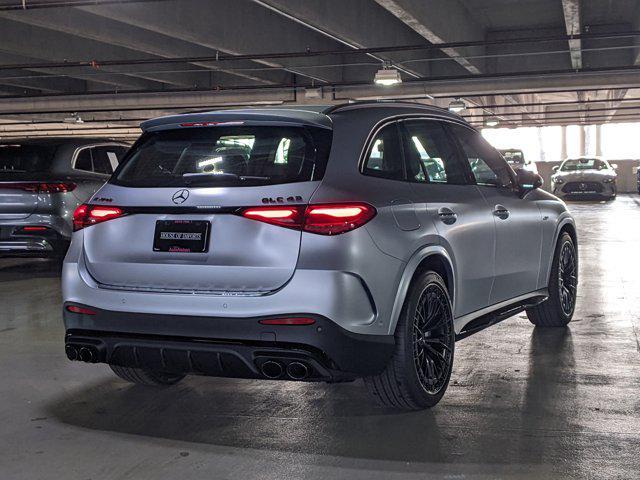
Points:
[142,376]
[553,312]
[404,383]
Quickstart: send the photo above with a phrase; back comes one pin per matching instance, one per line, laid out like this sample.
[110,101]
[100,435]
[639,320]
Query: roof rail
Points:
[365,103]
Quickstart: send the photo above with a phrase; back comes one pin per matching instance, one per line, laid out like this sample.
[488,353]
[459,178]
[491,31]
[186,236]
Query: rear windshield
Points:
[584,164]
[25,158]
[225,156]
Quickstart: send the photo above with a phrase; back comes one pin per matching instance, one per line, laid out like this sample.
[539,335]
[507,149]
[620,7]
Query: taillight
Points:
[324,219]
[62,187]
[40,187]
[32,229]
[87,215]
[290,217]
[334,219]
[81,310]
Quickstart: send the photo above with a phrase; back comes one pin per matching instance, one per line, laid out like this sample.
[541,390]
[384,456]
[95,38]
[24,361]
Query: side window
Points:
[431,154]
[83,160]
[106,158]
[384,157]
[486,164]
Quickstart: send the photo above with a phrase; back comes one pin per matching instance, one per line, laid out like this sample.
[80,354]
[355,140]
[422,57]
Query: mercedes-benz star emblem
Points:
[180,196]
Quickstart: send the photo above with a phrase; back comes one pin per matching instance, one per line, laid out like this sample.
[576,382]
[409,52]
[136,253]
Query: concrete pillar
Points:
[563,149]
[583,142]
[598,141]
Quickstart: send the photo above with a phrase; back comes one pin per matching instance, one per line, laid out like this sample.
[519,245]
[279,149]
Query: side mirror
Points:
[528,181]
[556,168]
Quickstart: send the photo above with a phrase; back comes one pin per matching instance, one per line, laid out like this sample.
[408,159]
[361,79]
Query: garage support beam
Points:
[439,21]
[214,25]
[571,10]
[414,90]
[355,24]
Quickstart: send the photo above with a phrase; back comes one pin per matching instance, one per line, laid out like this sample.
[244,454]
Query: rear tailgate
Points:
[22,165]
[16,201]
[181,191]
[242,255]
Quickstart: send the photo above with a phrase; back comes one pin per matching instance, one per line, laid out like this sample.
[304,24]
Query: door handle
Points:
[501,212]
[447,215]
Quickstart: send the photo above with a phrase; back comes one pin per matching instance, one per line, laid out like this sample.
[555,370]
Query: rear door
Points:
[192,183]
[456,207]
[517,220]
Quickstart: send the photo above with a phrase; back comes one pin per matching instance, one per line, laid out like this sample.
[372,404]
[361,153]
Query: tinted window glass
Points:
[487,166]
[26,158]
[384,158]
[430,154]
[83,160]
[226,156]
[105,159]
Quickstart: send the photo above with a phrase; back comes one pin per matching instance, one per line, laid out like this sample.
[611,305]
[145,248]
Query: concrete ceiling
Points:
[116,62]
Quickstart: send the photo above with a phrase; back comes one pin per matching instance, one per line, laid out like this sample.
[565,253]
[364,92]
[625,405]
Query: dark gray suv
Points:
[42,181]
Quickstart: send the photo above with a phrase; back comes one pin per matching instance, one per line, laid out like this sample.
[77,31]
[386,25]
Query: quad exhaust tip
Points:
[86,353]
[272,369]
[297,371]
[294,370]
[71,351]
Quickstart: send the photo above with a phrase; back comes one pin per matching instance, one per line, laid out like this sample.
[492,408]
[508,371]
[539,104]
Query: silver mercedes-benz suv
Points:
[318,244]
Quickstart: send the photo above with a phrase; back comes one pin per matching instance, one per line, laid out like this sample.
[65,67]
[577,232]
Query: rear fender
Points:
[563,220]
[410,269]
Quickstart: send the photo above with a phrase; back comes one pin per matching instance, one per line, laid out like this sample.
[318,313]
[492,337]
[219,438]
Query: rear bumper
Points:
[52,245]
[52,242]
[233,347]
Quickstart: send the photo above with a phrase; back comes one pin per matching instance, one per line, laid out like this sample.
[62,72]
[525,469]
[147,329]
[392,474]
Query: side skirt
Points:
[501,312]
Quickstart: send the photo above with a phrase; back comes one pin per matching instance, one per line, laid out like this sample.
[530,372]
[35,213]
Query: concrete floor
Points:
[523,402]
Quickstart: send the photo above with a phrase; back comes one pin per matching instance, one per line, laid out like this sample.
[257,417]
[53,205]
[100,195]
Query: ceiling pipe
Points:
[420,80]
[311,53]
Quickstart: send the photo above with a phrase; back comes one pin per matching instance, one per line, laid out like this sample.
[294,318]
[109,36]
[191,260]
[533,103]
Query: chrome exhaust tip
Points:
[271,369]
[87,355]
[297,370]
[71,351]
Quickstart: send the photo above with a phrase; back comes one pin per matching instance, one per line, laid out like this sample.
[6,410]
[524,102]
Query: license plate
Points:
[181,236]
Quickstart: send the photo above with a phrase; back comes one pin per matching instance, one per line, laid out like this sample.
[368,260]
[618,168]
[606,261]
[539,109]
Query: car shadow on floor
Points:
[12,269]
[340,419]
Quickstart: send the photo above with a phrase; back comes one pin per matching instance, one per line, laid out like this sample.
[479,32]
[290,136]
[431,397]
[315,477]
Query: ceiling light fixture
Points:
[387,76]
[457,105]
[312,92]
[74,118]
[492,122]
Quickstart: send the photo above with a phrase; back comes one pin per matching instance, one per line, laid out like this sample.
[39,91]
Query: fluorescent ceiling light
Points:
[312,93]
[492,122]
[457,106]
[387,77]
[74,118]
